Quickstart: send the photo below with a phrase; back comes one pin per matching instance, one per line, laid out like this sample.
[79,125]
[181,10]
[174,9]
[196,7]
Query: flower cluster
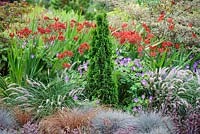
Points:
[84,46]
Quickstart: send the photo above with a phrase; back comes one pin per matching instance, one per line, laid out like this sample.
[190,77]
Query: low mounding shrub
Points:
[66,121]
[152,123]
[110,122]
[7,119]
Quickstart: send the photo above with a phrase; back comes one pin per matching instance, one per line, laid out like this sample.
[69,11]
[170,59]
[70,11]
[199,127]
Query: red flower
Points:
[75,38]
[162,16]
[66,65]
[56,18]
[147,29]
[153,54]
[122,41]
[61,38]
[194,35]
[11,35]
[124,25]
[60,56]
[160,50]
[152,47]
[171,27]
[190,25]
[149,36]
[173,2]
[166,43]
[47,30]
[177,46]
[170,20]
[147,41]
[84,46]
[80,27]
[46,18]
[140,49]
[52,38]
[41,30]
[68,53]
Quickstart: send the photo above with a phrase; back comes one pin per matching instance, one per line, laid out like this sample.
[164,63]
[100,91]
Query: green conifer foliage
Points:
[100,81]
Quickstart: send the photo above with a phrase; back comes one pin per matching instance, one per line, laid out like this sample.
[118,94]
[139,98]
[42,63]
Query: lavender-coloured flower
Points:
[32,56]
[133,68]
[135,100]
[137,63]
[85,66]
[134,109]
[143,96]
[66,78]
[144,82]
[121,62]
[75,97]
[150,98]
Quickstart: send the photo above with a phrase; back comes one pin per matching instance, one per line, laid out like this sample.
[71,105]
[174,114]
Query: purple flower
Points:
[134,109]
[32,56]
[143,96]
[122,62]
[75,97]
[85,66]
[133,68]
[66,78]
[150,98]
[135,100]
[144,82]
[137,63]
[139,108]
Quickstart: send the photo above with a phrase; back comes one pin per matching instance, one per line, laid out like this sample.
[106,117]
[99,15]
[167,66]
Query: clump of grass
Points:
[152,122]
[67,121]
[109,122]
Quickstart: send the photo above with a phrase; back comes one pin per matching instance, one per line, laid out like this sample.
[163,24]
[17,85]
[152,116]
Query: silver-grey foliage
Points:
[152,122]
[7,120]
[109,122]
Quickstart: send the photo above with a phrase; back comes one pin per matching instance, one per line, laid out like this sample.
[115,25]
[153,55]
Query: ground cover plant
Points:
[106,67]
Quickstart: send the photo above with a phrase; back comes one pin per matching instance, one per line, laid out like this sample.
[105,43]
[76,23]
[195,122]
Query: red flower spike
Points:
[190,25]
[149,36]
[152,47]
[56,18]
[153,54]
[177,46]
[162,16]
[61,38]
[75,38]
[170,20]
[140,49]
[160,50]
[171,27]
[124,25]
[11,35]
[194,35]
[46,18]
[147,41]
[66,65]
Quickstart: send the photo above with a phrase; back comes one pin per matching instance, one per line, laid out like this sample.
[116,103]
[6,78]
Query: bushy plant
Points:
[111,122]
[100,83]
[39,98]
[132,84]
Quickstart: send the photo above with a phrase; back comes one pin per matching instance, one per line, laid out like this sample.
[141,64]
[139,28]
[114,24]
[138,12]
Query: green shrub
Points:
[100,81]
